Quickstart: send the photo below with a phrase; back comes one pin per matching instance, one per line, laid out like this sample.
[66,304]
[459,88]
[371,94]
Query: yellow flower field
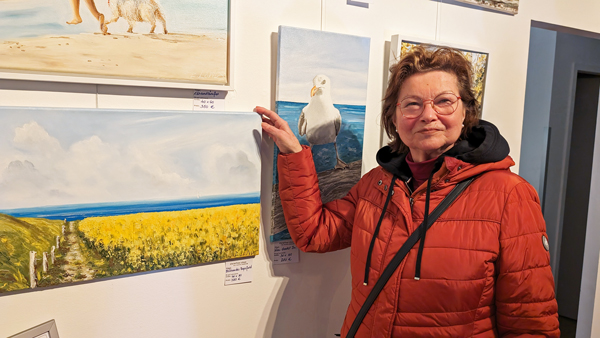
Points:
[158,240]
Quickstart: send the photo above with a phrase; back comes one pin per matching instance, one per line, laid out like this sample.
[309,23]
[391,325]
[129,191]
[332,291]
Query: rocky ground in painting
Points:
[333,184]
[75,268]
[175,57]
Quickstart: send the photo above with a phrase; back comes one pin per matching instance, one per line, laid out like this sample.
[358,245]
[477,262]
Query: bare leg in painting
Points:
[92,7]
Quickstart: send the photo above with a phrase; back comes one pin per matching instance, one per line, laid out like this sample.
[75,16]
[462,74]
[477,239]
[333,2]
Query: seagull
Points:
[320,121]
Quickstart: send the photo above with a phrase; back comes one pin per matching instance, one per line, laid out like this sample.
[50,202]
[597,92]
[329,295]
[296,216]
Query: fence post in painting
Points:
[45,262]
[63,229]
[32,282]
[58,242]
[52,255]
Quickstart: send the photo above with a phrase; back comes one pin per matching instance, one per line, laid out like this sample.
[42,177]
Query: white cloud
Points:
[230,168]
[39,171]
[31,137]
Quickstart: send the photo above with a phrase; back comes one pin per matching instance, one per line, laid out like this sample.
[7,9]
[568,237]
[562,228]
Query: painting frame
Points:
[198,200]
[16,74]
[395,53]
[491,7]
[44,330]
[339,77]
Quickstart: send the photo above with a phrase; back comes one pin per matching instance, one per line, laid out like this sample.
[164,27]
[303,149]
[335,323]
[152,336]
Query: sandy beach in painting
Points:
[175,57]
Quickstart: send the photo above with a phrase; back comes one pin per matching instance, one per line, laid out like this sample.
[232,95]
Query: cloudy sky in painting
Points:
[58,157]
[304,54]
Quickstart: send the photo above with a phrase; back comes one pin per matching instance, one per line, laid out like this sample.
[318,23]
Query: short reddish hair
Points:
[423,59]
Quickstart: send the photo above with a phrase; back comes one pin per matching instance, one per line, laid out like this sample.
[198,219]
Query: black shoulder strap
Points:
[395,262]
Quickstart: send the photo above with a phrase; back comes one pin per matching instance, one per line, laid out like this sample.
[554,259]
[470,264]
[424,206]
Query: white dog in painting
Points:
[137,11]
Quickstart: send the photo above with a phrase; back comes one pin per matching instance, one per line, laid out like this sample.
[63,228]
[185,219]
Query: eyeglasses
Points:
[443,104]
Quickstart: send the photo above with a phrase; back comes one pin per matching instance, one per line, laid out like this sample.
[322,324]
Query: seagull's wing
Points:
[338,123]
[302,124]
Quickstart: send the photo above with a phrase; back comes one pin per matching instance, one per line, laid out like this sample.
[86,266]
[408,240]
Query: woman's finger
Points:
[266,113]
[279,131]
[275,119]
[268,128]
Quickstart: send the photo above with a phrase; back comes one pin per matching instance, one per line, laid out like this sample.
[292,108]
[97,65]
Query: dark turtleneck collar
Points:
[484,144]
[420,170]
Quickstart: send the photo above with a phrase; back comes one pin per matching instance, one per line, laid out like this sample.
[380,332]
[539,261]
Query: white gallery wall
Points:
[309,298]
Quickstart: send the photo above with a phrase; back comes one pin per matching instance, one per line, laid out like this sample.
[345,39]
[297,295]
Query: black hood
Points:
[483,144]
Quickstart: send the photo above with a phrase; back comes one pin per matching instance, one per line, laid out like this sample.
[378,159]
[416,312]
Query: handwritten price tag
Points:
[238,272]
[209,100]
[286,252]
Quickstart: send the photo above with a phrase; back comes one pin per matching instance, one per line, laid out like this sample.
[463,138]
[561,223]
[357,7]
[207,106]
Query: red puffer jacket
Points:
[485,265]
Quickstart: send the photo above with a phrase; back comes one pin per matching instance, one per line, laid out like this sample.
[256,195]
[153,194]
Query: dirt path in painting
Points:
[75,268]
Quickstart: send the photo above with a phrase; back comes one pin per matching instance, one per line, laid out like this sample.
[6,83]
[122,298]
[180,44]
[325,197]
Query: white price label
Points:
[237,272]
[285,252]
[209,100]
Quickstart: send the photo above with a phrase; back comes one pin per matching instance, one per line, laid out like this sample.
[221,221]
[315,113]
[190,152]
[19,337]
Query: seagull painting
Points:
[320,121]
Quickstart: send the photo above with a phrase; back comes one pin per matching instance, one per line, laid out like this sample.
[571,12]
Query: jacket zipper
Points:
[410,199]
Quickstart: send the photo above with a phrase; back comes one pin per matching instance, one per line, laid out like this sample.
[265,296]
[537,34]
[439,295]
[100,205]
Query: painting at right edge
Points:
[506,6]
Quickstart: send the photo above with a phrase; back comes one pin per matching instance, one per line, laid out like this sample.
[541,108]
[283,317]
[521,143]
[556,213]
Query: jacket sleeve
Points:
[525,300]
[313,226]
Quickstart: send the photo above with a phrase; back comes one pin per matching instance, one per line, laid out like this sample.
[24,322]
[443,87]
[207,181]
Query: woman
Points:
[482,270]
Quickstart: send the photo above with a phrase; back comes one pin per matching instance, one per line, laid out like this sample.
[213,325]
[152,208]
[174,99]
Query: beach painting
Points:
[506,6]
[89,194]
[322,94]
[175,41]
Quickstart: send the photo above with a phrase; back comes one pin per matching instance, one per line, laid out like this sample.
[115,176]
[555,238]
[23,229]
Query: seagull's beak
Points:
[313,91]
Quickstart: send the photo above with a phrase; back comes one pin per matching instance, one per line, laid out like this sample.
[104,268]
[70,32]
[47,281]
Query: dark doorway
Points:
[577,194]
[557,158]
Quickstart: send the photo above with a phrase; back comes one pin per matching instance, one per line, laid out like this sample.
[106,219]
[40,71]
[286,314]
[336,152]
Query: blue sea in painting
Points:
[80,211]
[349,141]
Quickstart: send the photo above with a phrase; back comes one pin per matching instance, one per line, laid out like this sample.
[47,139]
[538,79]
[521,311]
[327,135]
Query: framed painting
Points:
[322,76]
[87,194]
[479,61]
[45,330]
[506,6]
[152,43]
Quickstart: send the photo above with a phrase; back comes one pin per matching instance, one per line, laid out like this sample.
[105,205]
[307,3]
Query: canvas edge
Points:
[47,327]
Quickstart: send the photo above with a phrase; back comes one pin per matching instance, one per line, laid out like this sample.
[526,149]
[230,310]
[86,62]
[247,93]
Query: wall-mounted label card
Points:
[209,100]
[285,252]
[237,272]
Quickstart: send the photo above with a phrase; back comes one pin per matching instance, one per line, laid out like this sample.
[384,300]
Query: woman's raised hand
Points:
[279,131]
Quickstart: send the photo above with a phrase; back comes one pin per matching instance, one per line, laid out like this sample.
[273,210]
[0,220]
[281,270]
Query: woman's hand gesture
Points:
[279,131]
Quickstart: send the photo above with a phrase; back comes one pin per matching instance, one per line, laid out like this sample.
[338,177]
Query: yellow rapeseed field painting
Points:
[93,193]
[158,240]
